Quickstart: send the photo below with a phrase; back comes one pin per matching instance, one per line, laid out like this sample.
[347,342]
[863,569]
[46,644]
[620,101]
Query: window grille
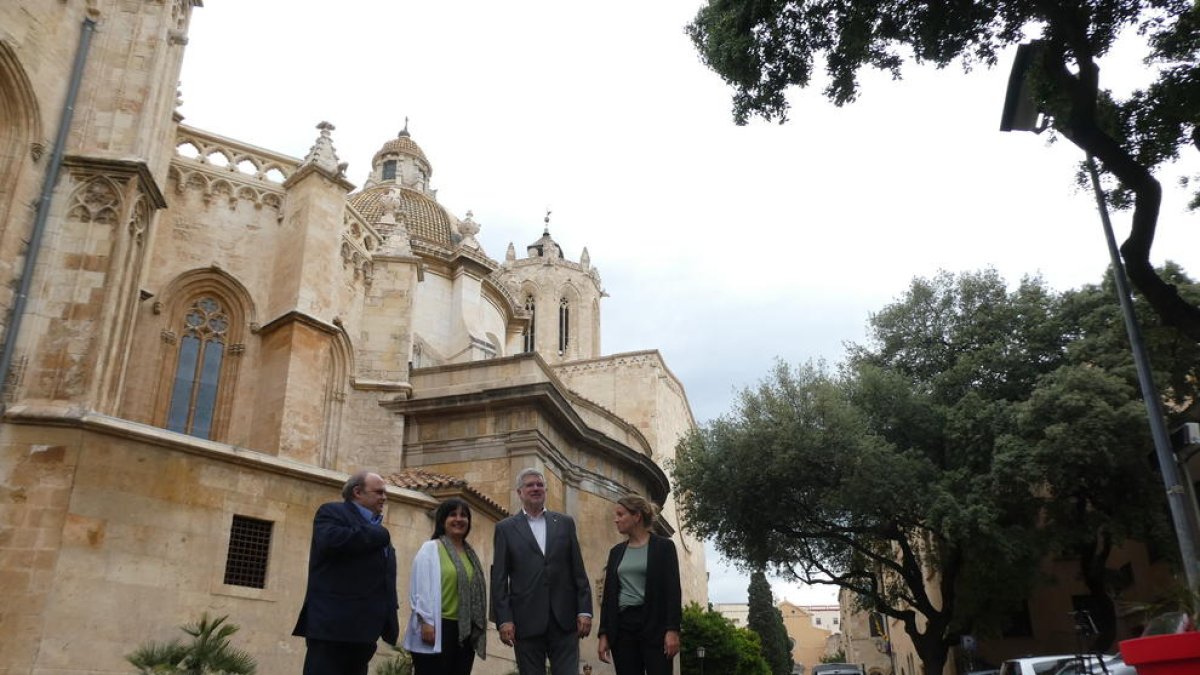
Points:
[249,549]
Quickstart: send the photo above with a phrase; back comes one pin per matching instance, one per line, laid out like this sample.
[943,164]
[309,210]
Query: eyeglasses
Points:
[536,484]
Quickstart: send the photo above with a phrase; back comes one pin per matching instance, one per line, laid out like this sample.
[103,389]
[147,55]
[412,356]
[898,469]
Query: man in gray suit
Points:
[541,598]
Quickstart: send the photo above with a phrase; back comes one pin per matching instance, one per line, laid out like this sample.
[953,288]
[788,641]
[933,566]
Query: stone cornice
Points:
[115,427]
[361,384]
[308,169]
[127,167]
[296,316]
[549,397]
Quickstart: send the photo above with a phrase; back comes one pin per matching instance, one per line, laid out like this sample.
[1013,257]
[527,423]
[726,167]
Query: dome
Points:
[425,217]
[403,144]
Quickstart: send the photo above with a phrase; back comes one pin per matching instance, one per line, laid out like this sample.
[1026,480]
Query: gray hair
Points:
[358,480]
[529,472]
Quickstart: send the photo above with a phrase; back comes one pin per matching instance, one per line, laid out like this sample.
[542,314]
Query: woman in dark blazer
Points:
[642,604]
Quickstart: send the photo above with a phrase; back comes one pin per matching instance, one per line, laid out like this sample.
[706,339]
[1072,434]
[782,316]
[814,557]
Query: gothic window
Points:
[530,307]
[389,170]
[198,369]
[564,325]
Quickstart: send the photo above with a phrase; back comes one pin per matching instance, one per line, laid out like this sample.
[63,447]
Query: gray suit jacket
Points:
[530,589]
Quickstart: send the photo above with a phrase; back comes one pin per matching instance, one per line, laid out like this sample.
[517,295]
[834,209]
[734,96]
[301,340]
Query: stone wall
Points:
[116,533]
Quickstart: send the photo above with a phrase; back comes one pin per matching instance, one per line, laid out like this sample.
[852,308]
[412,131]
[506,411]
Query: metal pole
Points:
[1158,428]
[17,313]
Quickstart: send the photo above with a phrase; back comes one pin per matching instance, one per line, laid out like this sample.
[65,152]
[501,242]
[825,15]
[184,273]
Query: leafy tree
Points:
[763,48]
[1085,431]
[208,653]
[727,648]
[935,448]
[767,621]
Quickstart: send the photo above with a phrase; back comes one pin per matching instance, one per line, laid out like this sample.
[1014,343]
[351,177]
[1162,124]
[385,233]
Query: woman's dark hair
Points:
[444,510]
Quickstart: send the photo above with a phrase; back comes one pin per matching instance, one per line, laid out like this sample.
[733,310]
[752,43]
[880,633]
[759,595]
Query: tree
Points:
[934,449]
[727,648]
[1085,431]
[763,48]
[767,621]
[208,653]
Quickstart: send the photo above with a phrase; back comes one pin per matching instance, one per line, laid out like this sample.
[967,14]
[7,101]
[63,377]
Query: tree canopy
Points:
[974,415]
[763,48]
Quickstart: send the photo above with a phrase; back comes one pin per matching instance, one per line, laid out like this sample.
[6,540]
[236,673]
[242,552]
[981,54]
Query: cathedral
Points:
[202,338]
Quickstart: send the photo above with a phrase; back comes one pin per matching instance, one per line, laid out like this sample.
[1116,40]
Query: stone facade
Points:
[216,334]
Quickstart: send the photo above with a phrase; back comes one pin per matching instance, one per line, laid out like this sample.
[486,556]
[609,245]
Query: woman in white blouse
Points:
[449,617]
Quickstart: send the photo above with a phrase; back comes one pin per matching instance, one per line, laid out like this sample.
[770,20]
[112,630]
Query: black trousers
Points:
[455,658]
[326,657]
[632,652]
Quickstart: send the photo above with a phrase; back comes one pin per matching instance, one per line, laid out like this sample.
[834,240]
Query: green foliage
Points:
[979,429]
[767,621]
[728,650]
[209,652]
[762,49]
[400,663]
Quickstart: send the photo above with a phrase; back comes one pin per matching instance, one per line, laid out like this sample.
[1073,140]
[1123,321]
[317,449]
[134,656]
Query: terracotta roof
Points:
[435,484]
[426,218]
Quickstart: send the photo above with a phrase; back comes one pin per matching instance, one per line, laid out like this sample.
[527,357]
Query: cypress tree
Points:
[767,621]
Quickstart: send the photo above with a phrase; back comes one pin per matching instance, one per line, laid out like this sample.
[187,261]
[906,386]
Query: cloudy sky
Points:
[724,247]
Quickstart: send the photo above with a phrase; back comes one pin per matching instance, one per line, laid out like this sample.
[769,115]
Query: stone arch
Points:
[568,310]
[97,199]
[528,298]
[178,302]
[20,130]
[340,356]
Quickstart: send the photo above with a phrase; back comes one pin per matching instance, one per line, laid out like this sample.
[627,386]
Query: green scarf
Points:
[472,603]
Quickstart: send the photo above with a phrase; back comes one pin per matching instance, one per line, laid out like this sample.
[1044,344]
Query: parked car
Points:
[1067,664]
[837,669]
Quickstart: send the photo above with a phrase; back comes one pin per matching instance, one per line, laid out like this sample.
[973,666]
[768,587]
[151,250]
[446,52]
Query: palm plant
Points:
[208,654]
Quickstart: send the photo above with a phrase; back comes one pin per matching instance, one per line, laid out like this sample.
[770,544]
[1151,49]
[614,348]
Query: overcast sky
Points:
[724,247]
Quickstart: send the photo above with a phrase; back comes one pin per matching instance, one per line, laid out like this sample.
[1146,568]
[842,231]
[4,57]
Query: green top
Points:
[632,575]
[450,582]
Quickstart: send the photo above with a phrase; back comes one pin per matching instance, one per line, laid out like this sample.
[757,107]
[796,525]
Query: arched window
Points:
[198,369]
[389,170]
[564,325]
[528,335]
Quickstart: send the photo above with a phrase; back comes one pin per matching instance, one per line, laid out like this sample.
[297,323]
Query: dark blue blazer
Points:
[351,595]
[663,602]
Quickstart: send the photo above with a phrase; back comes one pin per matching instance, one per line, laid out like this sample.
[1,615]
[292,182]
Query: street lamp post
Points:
[1021,114]
[700,655]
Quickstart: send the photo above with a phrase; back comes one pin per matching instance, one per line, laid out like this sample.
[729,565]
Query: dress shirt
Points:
[538,525]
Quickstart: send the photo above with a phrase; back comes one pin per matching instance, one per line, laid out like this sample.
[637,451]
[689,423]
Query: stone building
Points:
[203,337]
[812,629]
